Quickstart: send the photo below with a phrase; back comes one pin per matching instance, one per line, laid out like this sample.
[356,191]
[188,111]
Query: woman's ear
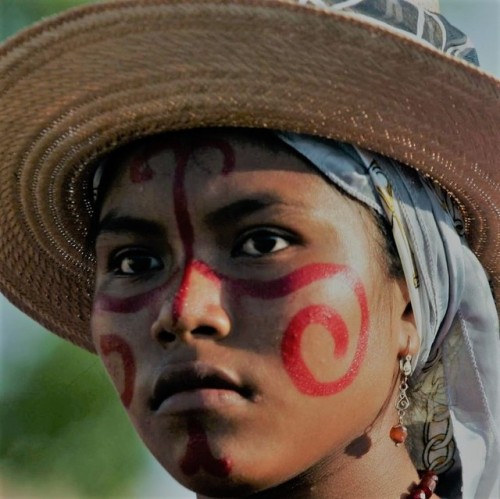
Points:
[409,341]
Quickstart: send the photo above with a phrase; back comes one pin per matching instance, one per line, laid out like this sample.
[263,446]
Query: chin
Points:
[242,480]
[209,486]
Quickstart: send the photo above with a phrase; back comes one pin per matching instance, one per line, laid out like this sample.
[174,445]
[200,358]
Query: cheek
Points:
[315,338]
[324,344]
[116,353]
[118,358]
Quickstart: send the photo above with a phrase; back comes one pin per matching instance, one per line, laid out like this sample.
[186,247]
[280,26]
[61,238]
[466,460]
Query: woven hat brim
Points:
[77,86]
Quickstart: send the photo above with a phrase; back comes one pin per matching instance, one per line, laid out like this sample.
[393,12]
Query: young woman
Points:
[279,312]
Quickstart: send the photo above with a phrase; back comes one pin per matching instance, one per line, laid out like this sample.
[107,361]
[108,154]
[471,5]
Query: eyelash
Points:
[118,258]
[266,235]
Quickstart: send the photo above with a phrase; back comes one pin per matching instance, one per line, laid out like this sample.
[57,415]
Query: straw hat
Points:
[76,86]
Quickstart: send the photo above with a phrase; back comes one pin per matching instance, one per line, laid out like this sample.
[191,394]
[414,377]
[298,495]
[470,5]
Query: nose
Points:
[196,310]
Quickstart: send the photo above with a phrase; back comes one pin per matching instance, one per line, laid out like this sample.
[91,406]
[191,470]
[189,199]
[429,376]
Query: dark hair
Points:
[388,246]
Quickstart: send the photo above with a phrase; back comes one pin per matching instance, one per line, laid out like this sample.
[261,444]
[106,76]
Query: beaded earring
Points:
[428,478]
[399,431]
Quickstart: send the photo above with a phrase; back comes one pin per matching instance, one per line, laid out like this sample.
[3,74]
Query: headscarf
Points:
[457,367]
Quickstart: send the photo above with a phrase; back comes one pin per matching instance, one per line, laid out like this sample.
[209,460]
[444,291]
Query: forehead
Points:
[224,161]
[208,151]
[204,171]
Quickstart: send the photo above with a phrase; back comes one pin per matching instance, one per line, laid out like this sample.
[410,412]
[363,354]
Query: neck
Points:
[383,470]
[369,466]
[366,468]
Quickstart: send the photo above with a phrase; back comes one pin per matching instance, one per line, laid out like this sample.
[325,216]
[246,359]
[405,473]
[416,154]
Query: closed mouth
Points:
[196,376]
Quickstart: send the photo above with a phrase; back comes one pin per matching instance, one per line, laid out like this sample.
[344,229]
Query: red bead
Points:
[428,482]
[426,490]
[398,434]
[426,486]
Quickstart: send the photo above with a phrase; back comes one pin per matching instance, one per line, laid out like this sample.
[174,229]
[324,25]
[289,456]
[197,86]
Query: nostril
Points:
[204,331]
[165,337]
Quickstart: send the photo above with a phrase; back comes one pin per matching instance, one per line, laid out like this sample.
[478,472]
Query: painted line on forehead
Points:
[131,304]
[330,319]
[112,343]
[181,210]
[224,147]
[182,155]
[140,171]
[199,455]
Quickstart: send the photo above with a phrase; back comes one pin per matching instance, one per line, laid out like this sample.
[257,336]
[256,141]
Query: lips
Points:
[192,378]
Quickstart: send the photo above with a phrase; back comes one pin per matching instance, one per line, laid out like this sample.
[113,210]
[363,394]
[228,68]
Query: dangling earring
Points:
[399,431]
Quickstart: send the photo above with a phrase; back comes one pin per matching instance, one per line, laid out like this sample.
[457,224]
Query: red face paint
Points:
[283,286]
[291,353]
[199,456]
[140,171]
[110,343]
[291,349]
[184,225]
[264,290]
[318,314]
[131,304]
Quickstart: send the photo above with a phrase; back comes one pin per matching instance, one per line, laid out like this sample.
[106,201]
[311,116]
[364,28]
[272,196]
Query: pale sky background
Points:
[480,19]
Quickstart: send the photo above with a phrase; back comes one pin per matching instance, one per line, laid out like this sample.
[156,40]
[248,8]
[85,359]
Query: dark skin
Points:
[261,292]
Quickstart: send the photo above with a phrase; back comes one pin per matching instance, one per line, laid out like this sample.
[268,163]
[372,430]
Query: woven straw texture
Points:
[77,86]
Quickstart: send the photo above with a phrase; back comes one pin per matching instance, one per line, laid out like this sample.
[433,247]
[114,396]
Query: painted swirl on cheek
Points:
[112,343]
[291,348]
[199,456]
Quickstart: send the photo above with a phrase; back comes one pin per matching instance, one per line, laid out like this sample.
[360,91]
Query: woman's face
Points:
[242,310]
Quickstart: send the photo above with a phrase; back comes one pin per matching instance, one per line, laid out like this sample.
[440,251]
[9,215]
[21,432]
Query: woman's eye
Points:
[134,262]
[262,243]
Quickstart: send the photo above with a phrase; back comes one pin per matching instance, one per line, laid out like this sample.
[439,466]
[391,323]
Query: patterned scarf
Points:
[457,371]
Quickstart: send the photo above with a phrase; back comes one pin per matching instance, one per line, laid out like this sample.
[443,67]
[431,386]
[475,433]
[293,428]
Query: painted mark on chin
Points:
[112,343]
[199,455]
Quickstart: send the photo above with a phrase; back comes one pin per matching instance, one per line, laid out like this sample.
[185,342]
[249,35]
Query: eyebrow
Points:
[240,209]
[113,223]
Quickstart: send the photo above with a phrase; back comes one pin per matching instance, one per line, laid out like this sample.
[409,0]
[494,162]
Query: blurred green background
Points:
[63,432]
